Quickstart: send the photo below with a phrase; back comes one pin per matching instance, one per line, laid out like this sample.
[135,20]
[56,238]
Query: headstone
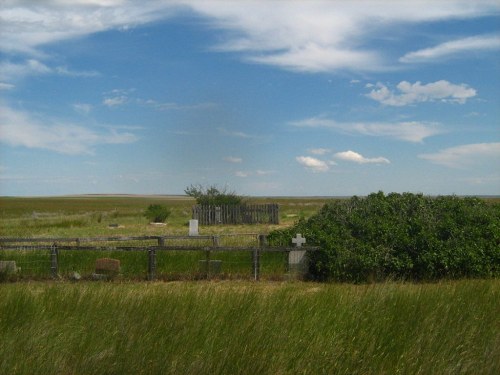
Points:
[299,240]
[8,266]
[297,260]
[107,266]
[214,266]
[193,227]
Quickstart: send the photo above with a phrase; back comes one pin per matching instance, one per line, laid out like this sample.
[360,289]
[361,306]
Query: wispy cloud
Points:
[19,128]
[6,86]
[319,151]
[405,131]
[173,106]
[236,134]
[466,155]
[417,92]
[306,36]
[355,157]
[313,164]
[233,159]
[453,48]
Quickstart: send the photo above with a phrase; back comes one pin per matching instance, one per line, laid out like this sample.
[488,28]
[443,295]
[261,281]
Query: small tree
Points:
[157,213]
[213,196]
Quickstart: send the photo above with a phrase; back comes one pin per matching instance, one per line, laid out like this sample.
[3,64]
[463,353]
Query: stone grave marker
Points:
[297,260]
[106,268]
[8,266]
[193,227]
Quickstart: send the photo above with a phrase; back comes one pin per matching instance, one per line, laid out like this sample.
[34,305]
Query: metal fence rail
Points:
[151,245]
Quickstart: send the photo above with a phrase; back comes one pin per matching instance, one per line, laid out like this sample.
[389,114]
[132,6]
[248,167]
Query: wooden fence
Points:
[150,245]
[237,214]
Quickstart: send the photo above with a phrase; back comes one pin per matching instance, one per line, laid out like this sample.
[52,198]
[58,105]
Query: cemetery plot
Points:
[152,257]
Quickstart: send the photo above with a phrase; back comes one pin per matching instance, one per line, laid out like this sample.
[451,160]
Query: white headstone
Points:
[193,227]
[297,258]
[299,240]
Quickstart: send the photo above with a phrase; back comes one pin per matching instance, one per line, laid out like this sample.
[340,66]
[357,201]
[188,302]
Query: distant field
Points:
[250,328]
[91,216]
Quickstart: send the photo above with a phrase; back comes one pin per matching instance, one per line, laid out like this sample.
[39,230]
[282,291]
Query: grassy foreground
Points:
[250,328]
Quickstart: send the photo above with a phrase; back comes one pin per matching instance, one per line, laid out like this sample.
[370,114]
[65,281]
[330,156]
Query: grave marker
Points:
[193,227]
[106,267]
[8,266]
[297,260]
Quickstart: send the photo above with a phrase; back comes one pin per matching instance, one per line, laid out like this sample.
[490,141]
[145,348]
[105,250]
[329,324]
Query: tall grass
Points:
[250,328]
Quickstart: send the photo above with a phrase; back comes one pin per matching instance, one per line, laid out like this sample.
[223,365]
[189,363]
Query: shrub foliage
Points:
[213,196]
[401,236]
[157,213]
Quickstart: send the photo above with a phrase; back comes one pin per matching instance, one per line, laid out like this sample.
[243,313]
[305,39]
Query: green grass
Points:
[90,216]
[250,328]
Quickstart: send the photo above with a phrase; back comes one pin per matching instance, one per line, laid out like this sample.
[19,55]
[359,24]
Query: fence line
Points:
[214,245]
[237,214]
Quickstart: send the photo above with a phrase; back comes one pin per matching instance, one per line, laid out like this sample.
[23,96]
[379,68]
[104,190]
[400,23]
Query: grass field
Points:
[250,328]
[91,216]
[223,327]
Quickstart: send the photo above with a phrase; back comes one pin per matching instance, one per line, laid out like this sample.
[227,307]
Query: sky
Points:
[264,98]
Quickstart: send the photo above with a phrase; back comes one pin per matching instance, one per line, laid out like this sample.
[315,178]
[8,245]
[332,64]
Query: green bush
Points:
[401,236]
[157,213]
[213,196]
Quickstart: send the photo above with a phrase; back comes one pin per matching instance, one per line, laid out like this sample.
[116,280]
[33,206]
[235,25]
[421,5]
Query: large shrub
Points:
[157,213]
[213,196]
[401,236]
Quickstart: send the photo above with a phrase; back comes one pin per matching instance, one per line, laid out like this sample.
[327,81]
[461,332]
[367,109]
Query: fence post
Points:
[151,264]
[53,260]
[256,256]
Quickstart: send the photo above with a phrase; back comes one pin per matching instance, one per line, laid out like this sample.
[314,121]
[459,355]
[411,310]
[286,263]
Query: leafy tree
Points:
[213,196]
[402,236]
[157,213]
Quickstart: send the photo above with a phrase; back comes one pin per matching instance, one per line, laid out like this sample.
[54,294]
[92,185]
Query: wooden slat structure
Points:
[237,214]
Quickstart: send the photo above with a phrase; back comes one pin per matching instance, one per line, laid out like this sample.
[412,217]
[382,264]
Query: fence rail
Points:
[212,244]
[237,214]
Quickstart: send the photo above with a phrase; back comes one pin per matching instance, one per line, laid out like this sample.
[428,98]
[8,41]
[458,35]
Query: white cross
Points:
[298,240]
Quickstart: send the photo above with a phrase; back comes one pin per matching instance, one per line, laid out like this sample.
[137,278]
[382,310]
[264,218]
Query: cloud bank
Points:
[409,93]
[465,155]
[405,131]
[20,129]
[305,36]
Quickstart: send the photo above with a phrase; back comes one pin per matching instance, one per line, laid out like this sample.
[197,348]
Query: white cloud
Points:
[360,159]
[416,93]
[453,48]
[28,25]
[6,86]
[405,131]
[10,71]
[309,36]
[82,108]
[242,174]
[312,164]
[233,159]
[18,128]
[319,151]
[115,101]
[466,155]
[13,71]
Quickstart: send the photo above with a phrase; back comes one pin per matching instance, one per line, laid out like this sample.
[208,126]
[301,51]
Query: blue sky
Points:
[261,97]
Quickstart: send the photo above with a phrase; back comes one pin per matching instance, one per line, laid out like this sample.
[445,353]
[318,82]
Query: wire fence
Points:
[148,257]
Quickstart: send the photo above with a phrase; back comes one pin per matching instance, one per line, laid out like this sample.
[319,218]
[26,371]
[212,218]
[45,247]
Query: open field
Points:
[91,216]
[250,328]
[82,216]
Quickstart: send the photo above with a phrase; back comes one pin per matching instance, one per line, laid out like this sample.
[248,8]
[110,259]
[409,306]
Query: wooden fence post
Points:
[151,264]
[53,260]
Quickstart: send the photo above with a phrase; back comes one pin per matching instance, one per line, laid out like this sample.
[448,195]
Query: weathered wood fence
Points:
[211,244]
[237,214]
